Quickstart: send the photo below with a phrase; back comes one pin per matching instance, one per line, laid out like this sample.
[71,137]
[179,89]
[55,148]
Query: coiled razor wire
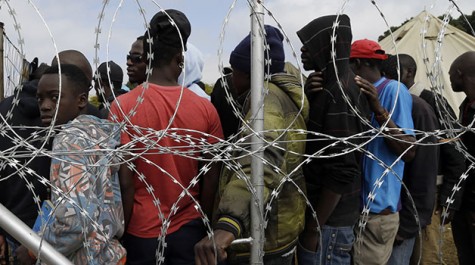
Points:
[225,151]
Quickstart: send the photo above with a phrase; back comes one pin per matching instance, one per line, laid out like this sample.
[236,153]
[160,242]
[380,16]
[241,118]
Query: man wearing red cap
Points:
[383,165]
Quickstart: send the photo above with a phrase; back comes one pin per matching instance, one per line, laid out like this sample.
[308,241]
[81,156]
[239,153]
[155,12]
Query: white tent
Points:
[419,38]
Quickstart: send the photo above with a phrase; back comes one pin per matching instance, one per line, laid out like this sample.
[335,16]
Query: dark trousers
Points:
[179,249]
[463,230]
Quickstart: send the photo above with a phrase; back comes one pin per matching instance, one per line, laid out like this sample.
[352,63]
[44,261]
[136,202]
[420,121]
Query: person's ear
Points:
[411,73]
[357,63]
[82,100]
[180,60]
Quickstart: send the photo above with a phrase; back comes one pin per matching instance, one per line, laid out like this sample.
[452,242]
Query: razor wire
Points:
[194,143]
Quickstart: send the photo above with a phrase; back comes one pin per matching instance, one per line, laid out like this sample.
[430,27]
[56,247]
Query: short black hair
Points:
[169,29]
[162,53]
[407,62]
[74,74]
[389,66]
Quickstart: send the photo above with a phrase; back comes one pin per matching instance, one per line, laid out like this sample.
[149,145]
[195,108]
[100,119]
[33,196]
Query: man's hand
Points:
[309,240]
[450,214]
[314,83]
[371,94]
[3,250]
[398,240]
[204,250]
[23,257]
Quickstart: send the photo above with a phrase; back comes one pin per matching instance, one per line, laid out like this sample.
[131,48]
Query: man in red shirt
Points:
[166,131]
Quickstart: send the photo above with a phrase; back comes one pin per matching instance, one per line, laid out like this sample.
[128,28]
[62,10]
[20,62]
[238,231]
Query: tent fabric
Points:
[409,39]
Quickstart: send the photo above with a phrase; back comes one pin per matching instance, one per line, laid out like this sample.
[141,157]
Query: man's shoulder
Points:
[396,85]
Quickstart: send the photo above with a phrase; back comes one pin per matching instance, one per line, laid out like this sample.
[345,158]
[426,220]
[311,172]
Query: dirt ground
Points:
[448,249]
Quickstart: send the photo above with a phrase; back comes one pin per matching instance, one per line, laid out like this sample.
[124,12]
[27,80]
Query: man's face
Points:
[456,80]
[241,81]
[404,76]
[135,64]
[48,95]
[306,59]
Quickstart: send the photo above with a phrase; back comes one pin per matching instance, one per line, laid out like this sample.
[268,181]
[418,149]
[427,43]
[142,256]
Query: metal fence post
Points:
[21,232]
[257,124]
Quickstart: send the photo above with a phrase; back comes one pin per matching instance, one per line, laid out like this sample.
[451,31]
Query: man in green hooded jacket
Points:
[285,115]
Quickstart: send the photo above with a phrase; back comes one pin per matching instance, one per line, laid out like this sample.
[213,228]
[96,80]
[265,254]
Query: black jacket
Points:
[420,174]
[14,194]
[335,168]
[467,112]
[452,162]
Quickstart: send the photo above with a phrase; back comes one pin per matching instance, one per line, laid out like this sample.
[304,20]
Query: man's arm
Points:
[126,174]
[398,141]
[337,175]
[209,186]
[127,189]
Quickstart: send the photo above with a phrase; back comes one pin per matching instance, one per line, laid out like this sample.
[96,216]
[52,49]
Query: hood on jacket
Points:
[193,71]
[290,84]
[317,36]
[28,104]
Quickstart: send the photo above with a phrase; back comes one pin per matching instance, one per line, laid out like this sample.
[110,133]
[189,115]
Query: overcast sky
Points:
[73,23]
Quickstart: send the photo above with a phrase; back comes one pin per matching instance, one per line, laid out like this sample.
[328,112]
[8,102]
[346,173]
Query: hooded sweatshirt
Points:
[14,193]
[331,115]
[193,71]
[86,227]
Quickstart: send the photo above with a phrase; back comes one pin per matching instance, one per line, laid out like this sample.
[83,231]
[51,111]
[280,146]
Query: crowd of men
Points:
[358,167]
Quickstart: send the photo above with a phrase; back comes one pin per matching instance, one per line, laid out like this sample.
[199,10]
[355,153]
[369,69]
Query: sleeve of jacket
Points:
[419,178]
[236,198]
[452,162]
[452,167]
[330,116]
[77,205]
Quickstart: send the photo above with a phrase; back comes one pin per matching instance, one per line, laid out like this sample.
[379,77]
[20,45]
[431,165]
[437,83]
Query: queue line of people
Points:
[123,206]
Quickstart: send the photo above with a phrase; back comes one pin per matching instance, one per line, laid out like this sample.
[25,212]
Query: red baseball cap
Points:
[367,49]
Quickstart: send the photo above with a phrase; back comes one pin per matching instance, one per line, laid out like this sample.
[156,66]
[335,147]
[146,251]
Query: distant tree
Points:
[208,88]
[393,28]
[462,24]
[94,100]
[459,23]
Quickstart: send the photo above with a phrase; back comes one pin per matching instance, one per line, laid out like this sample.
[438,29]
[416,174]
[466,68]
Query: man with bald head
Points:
[462,79]
[78,59]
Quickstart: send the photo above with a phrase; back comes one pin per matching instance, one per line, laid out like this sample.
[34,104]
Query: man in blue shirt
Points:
[383,164]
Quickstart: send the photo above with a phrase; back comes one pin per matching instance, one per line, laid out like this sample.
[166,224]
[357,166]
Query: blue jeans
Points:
[335,247]
[402,253]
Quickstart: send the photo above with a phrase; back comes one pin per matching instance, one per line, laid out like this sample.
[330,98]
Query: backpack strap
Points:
[381,86]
